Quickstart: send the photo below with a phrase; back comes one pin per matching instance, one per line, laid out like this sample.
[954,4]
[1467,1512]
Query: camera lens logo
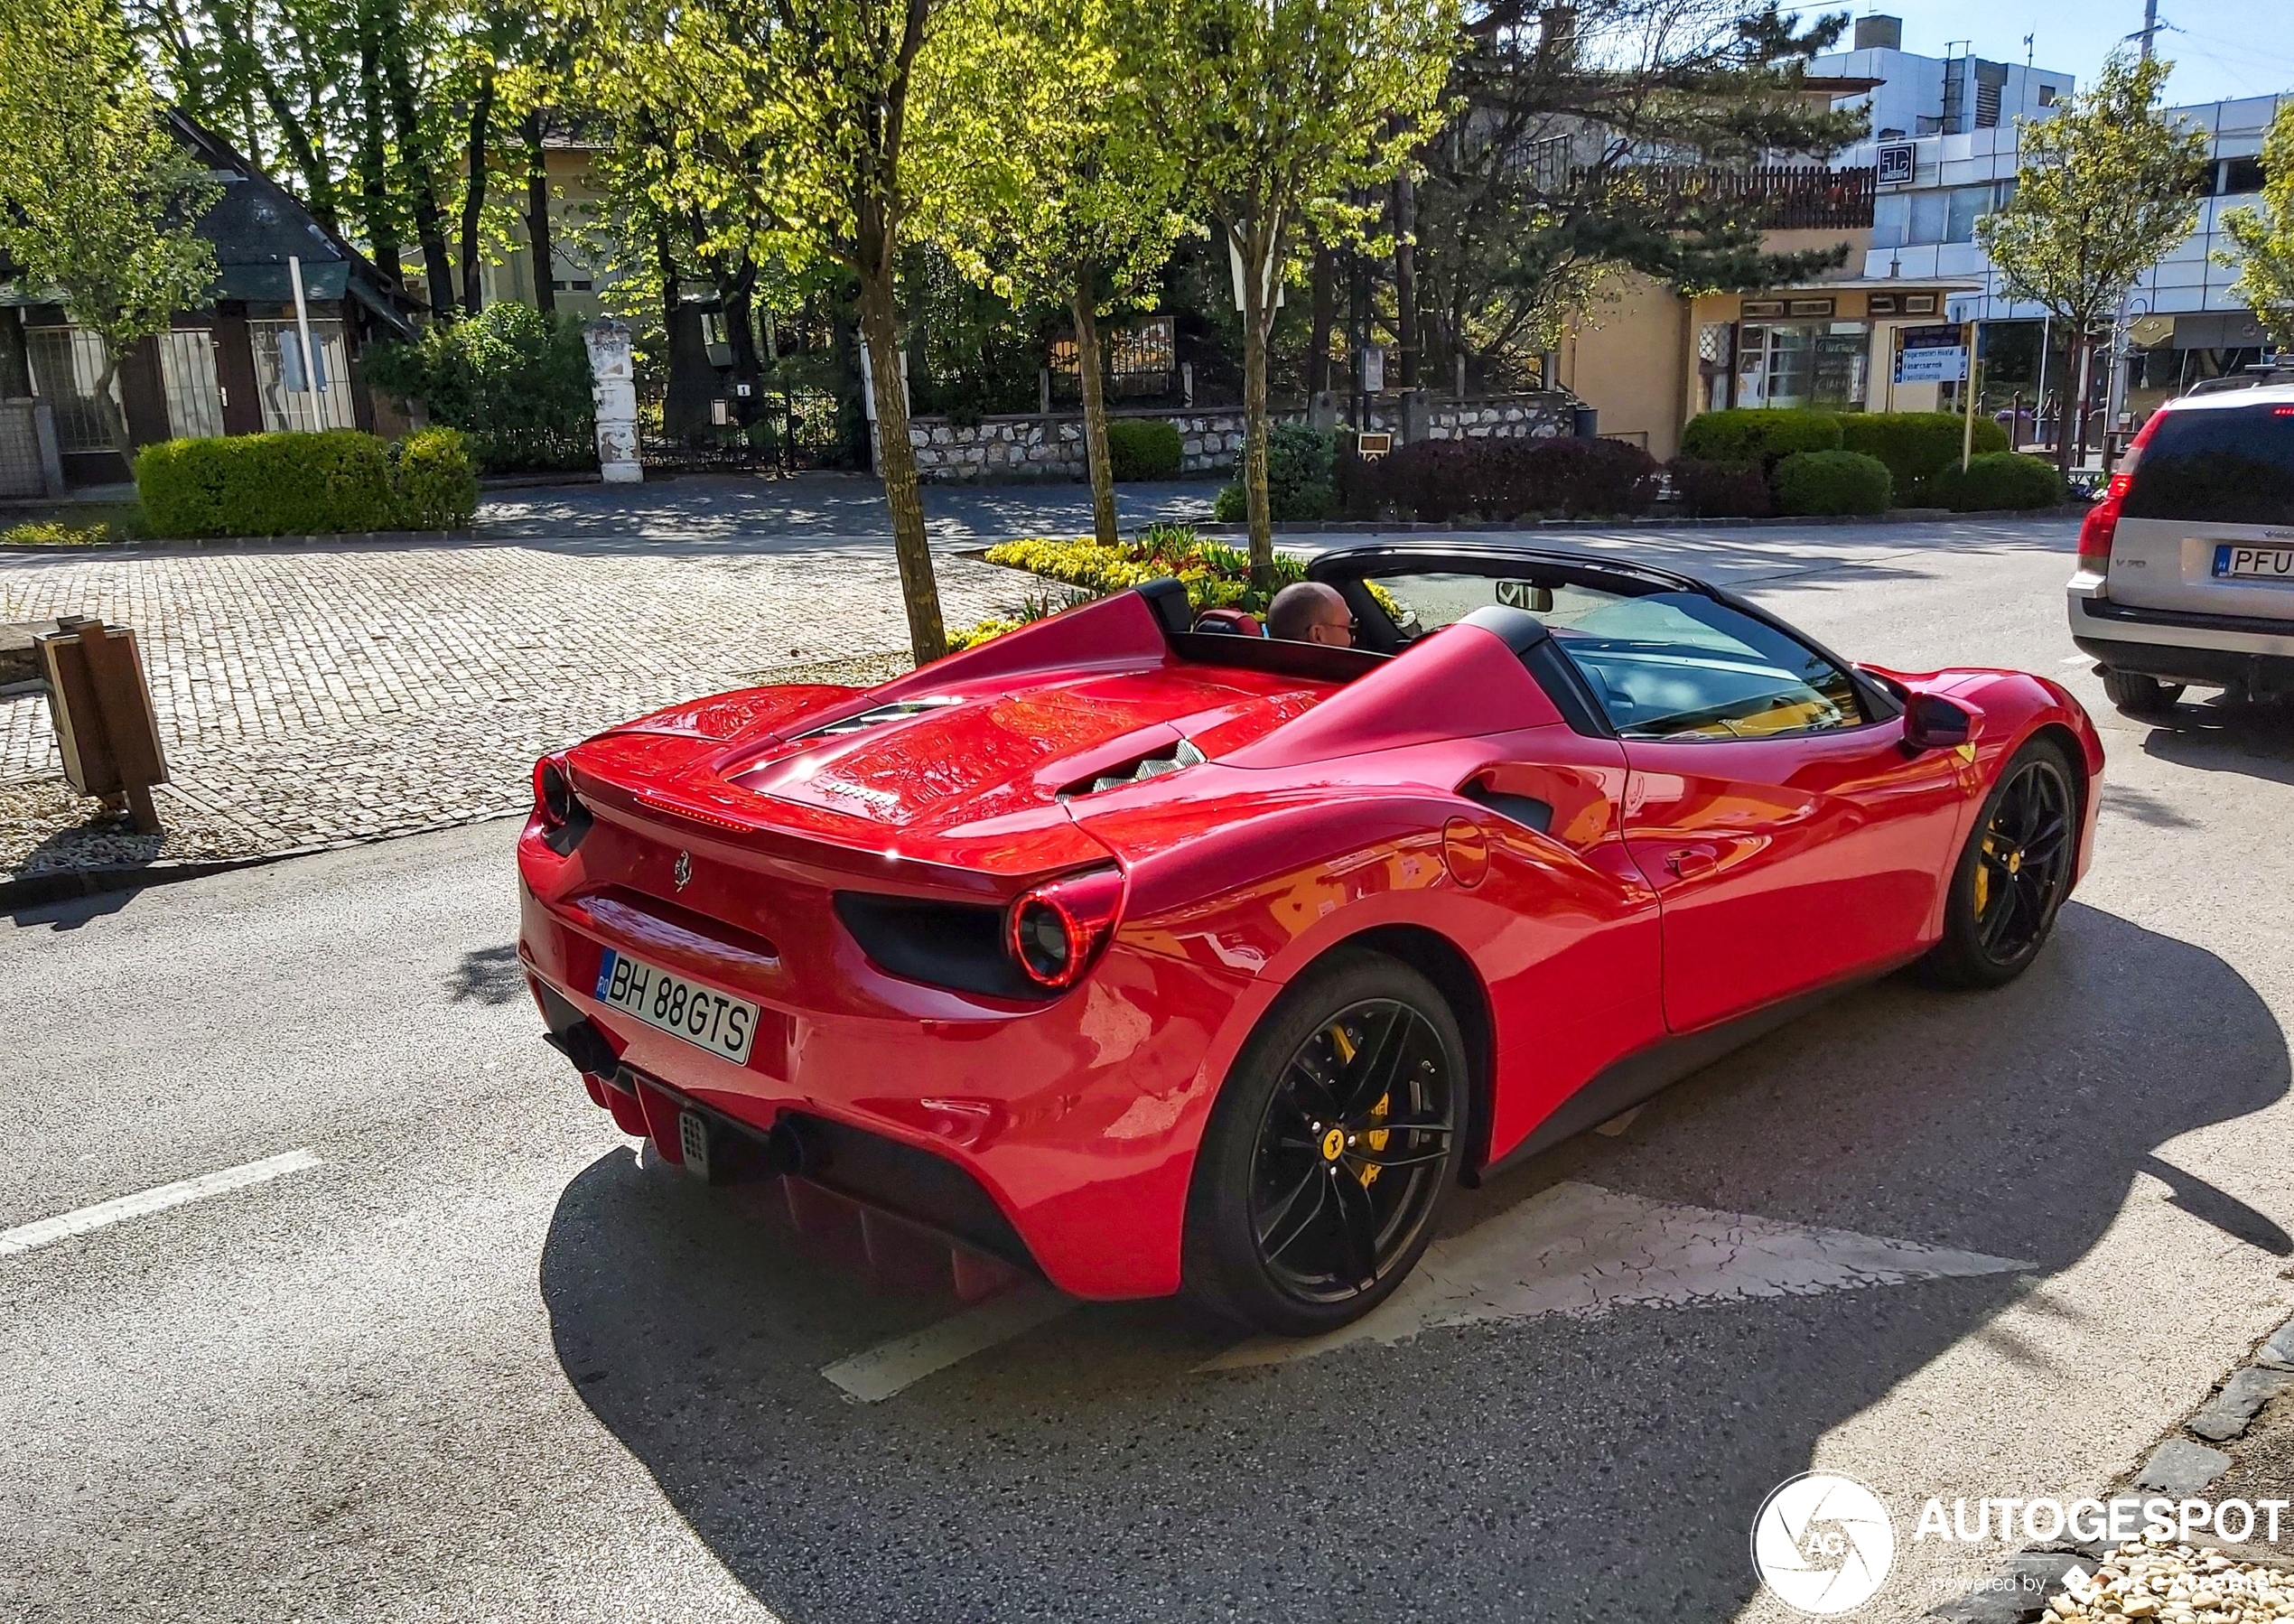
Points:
[1823,1544]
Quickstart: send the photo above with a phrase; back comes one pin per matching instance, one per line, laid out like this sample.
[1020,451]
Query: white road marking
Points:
[1580,1249]
[2077,660]
[25,1237]
[883,1370]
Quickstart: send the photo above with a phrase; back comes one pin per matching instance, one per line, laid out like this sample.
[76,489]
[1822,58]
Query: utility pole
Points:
[2149,26]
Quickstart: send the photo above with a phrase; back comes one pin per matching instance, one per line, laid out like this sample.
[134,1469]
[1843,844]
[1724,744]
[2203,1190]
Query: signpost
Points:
[1932,355]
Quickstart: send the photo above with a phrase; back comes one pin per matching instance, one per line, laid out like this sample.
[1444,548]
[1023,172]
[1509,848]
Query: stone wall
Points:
[1033,446]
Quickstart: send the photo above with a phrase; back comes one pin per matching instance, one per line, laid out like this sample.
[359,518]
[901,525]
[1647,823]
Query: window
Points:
[1930,209]
[66,362]
[2047,94]
[2240,175]
[1427,602]
[287,403]
[187,371]
[1680,666]
[1891,220]
[2229,465]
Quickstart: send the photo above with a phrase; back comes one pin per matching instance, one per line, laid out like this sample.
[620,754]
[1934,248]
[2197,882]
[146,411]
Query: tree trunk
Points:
[540,248]
[1405,277]
[896,458]
[115,418]
[1094,410]
[1256,244]
[481,120]
[738,296]
[684,409]
[438,266]
[1326,316]
[374,164]
[2073,429]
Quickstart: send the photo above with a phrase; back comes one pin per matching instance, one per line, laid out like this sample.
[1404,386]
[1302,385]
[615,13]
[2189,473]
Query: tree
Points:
[791,123]
[98,199]
[1074,203]
[2103,189]
[1604,137]
[1279,109]
[2265,237]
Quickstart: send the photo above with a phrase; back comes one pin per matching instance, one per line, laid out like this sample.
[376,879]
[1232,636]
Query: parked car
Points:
[2186,572]
[1153,960]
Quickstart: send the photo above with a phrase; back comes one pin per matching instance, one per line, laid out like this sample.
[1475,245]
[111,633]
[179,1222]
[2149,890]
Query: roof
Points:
[1877,285]
[254,227]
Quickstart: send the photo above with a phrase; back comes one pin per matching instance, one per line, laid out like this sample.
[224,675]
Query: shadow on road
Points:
[2226,735]
[1551,1468]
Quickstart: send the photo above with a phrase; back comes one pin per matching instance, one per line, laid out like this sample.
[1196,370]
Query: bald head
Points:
[1308,612]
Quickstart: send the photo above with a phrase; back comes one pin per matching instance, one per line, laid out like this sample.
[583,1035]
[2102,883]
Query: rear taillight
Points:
[554,800]
[2097,530]
[1055,930]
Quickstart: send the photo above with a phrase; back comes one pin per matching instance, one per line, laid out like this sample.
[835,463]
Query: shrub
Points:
[1436,480]
[513,378]
[294,484]
[433,485]
[1831,482]
[1916,445]
[1998,479]
[1216,576]
[1753,434]
[54,533]
[1232,505]
[1721,489]
[1143,448]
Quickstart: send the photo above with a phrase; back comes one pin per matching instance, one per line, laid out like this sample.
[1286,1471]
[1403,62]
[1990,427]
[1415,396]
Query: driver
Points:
[1309,611]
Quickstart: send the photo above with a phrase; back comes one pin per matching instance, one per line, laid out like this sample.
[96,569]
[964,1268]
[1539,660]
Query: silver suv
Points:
[2187,564]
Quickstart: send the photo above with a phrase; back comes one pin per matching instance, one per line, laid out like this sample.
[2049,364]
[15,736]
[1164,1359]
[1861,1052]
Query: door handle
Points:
[1687,860]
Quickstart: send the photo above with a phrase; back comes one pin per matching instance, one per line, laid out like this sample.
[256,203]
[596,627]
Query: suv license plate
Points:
[725,1027]
[2254,563]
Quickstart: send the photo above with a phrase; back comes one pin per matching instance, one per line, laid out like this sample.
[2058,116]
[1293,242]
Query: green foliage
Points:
[1503,479]
[98,201]
[1143,448]
[2105,185]
[2265,239]
[1710,490]
[1231,506]
[1831,482]
[1300,473]
[1997,480]
[1215,576]
[298,484]
[515,381]
[54,533]
[1916,445]
[1753,434]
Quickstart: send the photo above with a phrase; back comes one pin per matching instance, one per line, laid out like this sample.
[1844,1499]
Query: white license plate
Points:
[2254,563]
[704,1019]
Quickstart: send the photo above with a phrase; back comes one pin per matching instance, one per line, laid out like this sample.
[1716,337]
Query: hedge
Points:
[1756,434]
[513,378]
[1833,481]
[1998,478]
[1916,446]
[1143,448]
[296,484]
[1435,480]
[1721,489]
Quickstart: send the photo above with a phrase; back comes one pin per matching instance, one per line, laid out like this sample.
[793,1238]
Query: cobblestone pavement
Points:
[314,695]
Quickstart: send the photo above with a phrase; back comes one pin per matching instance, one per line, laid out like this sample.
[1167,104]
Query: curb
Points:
[2021,1586]
[229,542]
[1894,516]
[68,884]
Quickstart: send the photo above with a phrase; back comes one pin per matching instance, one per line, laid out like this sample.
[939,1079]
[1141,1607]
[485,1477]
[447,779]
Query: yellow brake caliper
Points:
[1984,877]
[1375,1139]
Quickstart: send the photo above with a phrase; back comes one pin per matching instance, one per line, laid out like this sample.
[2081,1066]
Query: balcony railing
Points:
[1795,197]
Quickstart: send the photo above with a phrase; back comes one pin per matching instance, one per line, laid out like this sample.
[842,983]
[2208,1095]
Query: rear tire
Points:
[1304,1215]
[2140,695]
[2014,872]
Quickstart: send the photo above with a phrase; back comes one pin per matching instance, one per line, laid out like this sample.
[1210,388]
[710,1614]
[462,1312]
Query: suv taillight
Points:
[1055,930]
[2097,530]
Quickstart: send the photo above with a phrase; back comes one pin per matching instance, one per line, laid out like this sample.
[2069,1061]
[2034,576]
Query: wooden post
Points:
[1967,389]
[105,728]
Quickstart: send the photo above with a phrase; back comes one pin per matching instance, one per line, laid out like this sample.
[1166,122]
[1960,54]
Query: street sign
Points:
[1374,369]
[1896,163]
[1932,355]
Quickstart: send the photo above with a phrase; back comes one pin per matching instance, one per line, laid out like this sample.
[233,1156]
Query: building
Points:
[235,365]
[1945,157]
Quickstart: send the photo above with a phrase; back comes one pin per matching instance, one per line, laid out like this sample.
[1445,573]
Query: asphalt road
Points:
[480,1361]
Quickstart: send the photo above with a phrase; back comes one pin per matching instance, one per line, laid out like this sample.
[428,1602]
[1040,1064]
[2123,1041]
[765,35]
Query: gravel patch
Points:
[46,825]
[2177,1584]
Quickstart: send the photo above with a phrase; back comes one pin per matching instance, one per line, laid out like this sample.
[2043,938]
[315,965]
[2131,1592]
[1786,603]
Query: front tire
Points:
[2136,695]
[1329,1151]
[2013,874]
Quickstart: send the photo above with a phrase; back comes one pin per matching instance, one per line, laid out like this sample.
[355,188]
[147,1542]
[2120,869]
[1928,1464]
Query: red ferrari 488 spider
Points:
[1154,958]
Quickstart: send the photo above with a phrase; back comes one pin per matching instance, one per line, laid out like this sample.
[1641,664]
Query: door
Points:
[1769,799]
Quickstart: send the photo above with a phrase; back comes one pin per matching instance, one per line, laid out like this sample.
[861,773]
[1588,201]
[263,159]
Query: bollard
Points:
[102,710]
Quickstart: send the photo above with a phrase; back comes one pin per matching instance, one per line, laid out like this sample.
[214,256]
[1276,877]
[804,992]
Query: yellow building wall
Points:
[1627,359]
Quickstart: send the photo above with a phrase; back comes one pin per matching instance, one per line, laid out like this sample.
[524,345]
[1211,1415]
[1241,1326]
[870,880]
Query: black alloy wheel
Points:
[1330,1150]
[2014,874]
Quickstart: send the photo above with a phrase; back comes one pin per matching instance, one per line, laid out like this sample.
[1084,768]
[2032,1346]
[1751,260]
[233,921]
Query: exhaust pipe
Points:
[586,1047]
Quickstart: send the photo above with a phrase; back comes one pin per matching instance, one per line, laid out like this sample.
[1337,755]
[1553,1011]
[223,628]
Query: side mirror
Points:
[1932,721]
